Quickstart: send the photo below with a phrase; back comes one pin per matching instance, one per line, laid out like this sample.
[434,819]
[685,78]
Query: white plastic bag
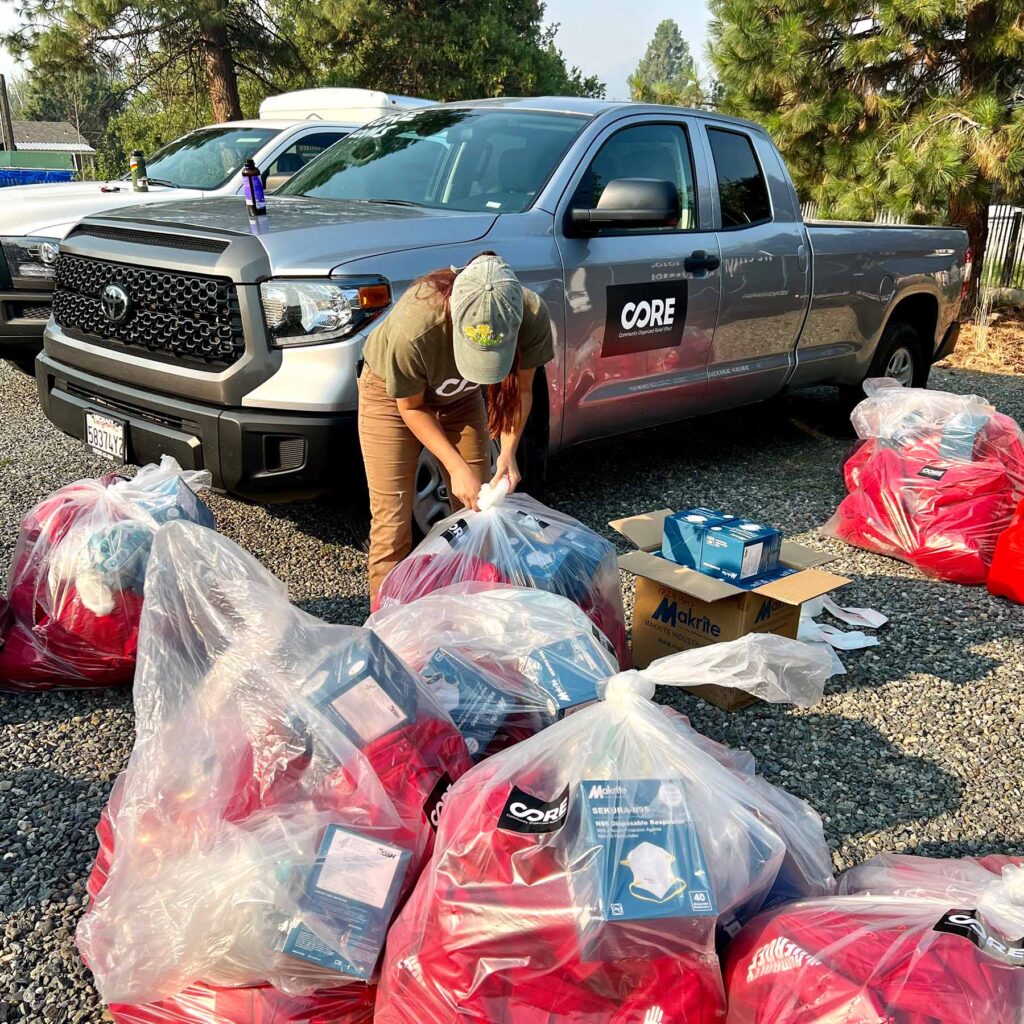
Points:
[277,806]
[517,541]
[504,661]
[584,873]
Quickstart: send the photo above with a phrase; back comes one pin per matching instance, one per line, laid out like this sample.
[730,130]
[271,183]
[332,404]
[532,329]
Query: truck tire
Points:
[899,355]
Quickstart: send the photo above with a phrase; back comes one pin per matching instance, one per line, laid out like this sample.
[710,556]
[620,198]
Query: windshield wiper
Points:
[163,181]
[390,202]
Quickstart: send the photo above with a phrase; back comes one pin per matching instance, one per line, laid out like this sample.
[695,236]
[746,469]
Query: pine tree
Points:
[911,106]
[667,66]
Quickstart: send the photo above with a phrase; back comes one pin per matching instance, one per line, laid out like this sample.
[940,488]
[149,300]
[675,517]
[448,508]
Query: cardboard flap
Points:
[643,531]
[678,577]
[802,586]
[796,556]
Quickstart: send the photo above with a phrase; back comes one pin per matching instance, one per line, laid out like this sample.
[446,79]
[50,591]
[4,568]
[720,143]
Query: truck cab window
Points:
[742,191]
[659,151]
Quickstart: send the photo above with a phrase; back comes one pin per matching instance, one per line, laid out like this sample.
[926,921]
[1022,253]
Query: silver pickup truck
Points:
[668,245]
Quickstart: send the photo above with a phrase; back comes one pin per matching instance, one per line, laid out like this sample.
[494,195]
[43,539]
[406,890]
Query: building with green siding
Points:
[48,146]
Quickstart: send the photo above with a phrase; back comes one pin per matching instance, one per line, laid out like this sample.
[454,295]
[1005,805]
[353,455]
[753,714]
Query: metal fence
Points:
[1004,254]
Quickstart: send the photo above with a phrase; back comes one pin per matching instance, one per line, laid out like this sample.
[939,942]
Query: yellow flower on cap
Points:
[481,334]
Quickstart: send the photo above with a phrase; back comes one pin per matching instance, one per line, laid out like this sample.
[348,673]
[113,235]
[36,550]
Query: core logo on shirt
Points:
[642,317]
[435,802]
[454,386]
[968,925]
[933,472]
[777,957]
[526,813]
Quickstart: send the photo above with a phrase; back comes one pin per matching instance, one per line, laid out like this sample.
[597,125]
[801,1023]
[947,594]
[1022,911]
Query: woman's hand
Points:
[466,485]
[508,467]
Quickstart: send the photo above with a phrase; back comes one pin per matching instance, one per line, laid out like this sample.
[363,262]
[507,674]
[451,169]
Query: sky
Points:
[602,37]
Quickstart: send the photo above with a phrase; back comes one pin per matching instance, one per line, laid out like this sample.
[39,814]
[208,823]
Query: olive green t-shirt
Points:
[412,349]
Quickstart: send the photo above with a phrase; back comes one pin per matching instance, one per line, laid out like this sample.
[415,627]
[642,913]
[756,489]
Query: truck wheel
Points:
[900,355]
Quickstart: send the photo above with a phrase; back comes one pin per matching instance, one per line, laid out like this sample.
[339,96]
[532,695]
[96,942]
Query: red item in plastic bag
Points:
[1006,574]
[934,482]
[75,585]
[887,955]
[260,729]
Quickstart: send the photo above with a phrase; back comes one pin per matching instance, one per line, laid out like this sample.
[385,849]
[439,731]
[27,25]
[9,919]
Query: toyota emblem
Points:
[115,303]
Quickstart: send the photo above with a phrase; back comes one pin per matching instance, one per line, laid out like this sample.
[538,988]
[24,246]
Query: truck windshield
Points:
[208,158]
[444,158]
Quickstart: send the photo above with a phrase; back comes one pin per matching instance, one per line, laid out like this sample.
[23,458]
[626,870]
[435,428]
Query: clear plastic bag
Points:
[909,940]
[504,661]
[585,874]
[934,481]
[75,587]
[518,541]
[277,806]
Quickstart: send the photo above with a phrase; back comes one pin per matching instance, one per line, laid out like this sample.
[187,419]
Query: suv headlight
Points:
[30,260]
[315,312]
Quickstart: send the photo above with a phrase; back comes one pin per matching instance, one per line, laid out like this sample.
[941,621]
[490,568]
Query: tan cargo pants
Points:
[390,453]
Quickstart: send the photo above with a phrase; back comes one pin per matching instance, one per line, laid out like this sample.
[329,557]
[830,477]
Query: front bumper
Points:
[257,455]
[23,317]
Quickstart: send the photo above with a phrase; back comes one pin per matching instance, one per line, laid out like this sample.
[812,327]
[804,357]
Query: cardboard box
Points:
[677,608]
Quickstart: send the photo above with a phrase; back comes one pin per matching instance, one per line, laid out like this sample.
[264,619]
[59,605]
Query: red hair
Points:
[503,399]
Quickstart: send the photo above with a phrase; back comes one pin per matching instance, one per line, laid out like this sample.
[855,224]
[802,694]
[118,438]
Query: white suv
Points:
[291,130]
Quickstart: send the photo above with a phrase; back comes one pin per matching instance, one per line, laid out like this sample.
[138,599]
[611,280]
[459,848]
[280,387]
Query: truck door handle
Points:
[700,260]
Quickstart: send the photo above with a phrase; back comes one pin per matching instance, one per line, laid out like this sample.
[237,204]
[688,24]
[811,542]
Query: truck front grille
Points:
[184,317]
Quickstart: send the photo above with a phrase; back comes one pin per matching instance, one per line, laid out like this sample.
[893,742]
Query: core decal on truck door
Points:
[642,317]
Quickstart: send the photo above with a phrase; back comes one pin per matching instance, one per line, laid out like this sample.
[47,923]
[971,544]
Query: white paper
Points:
[751,560]
[359,869]
[866,618]
[368,709]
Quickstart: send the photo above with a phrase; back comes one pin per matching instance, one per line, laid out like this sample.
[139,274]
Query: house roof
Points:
[49,136]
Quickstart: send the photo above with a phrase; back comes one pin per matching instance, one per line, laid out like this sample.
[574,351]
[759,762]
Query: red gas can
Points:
[1006,576]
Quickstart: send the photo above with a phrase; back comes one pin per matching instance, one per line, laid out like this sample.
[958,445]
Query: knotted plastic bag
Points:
[276,809]
[75,588]
[504,661]
[909,940]
[517,541]
[584,874]
[934,481]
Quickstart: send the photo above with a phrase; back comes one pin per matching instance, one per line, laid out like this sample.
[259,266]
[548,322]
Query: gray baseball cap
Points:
[487,311]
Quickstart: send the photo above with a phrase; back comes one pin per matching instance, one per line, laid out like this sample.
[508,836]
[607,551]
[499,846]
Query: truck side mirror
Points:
[628,203]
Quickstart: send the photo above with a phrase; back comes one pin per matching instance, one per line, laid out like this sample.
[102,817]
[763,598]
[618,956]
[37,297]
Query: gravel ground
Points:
[917,749]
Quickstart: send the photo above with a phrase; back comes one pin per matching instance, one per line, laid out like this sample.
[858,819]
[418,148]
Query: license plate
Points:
[105,436]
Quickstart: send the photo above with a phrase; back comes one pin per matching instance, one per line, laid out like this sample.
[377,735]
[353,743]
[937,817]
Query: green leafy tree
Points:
[464,50]
[911,106]
[219,40]
[667,64]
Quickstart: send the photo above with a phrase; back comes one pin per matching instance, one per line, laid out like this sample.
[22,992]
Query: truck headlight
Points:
[30,260]
[314,312]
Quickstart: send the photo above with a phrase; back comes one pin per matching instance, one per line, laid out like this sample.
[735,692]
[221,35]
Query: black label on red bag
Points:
[526,813]
[933,472]
[435,802]
[603,640]
[455,532]
[968,925]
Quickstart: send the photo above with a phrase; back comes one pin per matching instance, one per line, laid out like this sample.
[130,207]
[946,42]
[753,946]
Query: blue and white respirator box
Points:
[682,541]
[740,552]
[646,856]
[346,904]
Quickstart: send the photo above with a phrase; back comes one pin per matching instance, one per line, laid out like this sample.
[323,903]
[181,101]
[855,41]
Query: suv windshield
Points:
[207,159]
[444,158]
